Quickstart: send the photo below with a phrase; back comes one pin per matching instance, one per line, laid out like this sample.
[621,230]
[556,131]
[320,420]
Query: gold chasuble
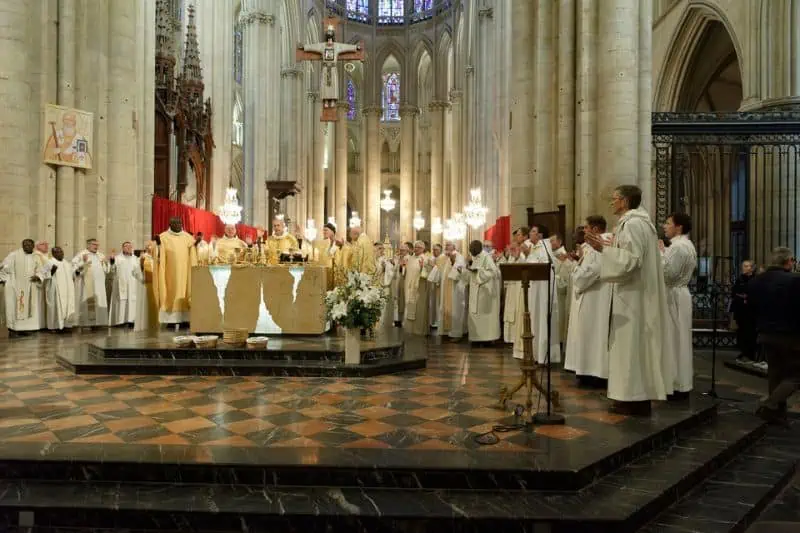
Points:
[147,264]
[177,255]
[281,244]
[226,248]
[356,256]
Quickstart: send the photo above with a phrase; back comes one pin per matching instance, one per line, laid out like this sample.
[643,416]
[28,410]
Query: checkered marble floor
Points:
[441,408]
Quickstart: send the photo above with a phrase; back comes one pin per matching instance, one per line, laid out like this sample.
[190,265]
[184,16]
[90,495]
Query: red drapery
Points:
[194,220]
[499,233]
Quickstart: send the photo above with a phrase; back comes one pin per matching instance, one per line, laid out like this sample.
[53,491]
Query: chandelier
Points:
[387,202]
[230,212]
[310,232]
[419,221]
[436,226]
[455,229]
[474,211]
[355,220]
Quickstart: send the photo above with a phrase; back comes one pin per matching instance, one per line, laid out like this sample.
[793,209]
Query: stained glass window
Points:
[391,96]
[358,9]
[390,11]
[422,5]
[351,99]
[238,62]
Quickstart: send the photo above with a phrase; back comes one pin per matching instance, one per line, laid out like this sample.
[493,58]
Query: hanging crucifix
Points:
[330,53]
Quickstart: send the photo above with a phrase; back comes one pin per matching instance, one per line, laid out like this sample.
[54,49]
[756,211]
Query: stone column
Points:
[408,115]
[586,109]
[543,178]
[65,176]
[145,131]
[15,93]
[215,24]
[291,138]
[565,131]
[794,51]
[618,130]
[373,210]
[521,131]
[437,110]
[340,197]
[261,105]
[122,189]
[456,194]
[317,173]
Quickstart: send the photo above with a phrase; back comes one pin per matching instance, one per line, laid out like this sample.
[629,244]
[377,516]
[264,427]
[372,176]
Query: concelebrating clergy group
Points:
[619,307]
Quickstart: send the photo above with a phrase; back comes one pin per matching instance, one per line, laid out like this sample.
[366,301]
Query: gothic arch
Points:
[291,31]
[422,48]
[443,67]
[459,50]
[689,38]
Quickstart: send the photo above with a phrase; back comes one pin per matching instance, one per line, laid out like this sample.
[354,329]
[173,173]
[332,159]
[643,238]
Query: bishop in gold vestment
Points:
[356,256]
[280,241]
[176,257]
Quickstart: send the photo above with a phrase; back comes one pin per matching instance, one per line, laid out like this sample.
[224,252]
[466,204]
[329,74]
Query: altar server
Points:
[640,358]
[91,268]
[59,287]
[539,251]
[417,268]
[482,276]
[680,261]
[176,257]
[124,286]
[20,273]
[587,342]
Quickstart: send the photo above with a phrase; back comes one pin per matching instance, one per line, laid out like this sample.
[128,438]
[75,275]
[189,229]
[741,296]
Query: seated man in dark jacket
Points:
[772,296]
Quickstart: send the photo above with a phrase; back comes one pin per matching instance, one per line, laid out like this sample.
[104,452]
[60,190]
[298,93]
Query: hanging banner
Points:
[67,136]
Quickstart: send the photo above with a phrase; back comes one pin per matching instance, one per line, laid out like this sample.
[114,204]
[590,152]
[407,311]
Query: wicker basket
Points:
[183,341]
[235,337]
[257,343]
[208,341]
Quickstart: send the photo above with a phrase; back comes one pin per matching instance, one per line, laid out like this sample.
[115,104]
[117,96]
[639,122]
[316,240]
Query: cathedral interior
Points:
[462,119]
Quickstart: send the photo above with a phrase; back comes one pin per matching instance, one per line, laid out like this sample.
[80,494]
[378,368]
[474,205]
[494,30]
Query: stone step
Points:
[619,502]
[731,499]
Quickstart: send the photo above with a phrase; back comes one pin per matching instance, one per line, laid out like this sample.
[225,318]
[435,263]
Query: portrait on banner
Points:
[67,136]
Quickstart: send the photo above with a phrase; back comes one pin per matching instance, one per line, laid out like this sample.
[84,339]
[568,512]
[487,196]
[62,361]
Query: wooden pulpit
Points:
[277,191]
[525,273]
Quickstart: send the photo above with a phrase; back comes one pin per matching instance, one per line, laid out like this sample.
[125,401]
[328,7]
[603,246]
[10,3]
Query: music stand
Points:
[525,273]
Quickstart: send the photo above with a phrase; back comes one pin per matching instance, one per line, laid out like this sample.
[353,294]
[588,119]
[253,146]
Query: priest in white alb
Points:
[482,276]
[587,342]
[400,261]
[434,279]
[680,261]
[514,255]
[640,365]
[452,290]
[384,274]
[564,266]
[91,268]
[539,251]
[417,268]
[124,286]
[20,273]
[59,287]
[176,257]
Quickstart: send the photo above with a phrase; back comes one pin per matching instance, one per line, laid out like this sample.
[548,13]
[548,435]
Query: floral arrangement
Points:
[357,304]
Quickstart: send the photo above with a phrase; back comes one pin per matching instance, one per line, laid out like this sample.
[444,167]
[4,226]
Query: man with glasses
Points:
[641,368]
[773,296]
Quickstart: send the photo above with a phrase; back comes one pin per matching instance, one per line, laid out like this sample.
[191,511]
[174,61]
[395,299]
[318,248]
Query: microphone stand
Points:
[549,418]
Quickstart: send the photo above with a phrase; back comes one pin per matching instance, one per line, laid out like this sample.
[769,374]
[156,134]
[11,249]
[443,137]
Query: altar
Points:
[265,300]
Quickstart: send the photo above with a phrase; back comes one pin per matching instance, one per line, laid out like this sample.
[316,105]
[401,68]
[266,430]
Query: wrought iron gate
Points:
[738,176]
